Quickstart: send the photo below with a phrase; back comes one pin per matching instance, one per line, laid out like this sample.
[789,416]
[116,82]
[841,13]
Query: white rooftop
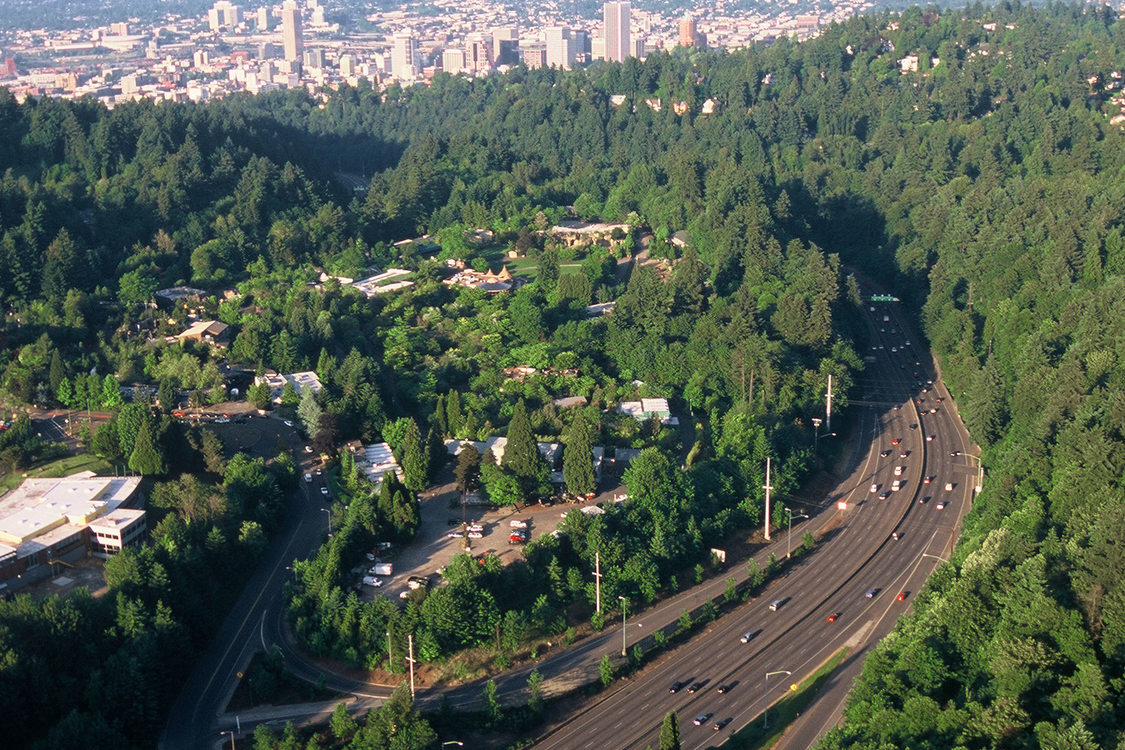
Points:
[46,509]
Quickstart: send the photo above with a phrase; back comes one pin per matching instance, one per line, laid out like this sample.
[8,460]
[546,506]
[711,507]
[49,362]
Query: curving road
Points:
[855,553]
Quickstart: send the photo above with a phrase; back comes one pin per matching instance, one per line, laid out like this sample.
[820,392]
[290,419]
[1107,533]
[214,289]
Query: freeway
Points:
[858,555]
[192,722]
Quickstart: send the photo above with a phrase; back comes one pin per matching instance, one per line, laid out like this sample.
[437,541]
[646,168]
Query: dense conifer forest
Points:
[970,159]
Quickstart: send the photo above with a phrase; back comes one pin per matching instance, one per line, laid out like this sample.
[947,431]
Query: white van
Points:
[774,605]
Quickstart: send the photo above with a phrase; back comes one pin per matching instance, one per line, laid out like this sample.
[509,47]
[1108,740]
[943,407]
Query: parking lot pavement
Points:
[432,549]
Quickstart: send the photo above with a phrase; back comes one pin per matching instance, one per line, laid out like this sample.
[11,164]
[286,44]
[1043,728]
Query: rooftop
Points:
[42,511]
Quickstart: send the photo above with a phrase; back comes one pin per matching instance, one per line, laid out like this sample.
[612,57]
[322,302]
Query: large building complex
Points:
[292,36]
[49,522]
[616,18]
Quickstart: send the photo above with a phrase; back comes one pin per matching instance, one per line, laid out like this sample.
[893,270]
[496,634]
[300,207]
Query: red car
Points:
[832,617]
[901,596]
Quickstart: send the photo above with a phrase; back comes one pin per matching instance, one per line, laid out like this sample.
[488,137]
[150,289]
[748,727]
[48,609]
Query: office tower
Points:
[223,15]
[478,53]
[263,16]
[453,61]
[347,65]
[200,58]
[687,31]
[616,17]
[313,58]
[402,56]
[560,47]
[291,35]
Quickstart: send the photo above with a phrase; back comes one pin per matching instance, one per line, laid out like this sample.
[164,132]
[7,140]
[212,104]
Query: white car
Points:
[895,486]
[898,471]
[324,490]
[874,488]
[372,581]
[929,438]
[949,486]
[288,423]
[308,477]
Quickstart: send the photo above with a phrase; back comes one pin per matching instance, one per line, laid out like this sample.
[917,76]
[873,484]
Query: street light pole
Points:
[227,731]
[765,697]
[624,602]
[980,471]
[326,510]
[789,537]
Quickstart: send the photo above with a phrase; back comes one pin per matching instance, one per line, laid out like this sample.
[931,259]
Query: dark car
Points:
[724,688]
[702,719]
[695,686]
[675,687]
[720,724]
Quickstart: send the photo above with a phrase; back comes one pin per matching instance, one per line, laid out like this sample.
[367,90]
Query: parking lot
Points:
[432,548]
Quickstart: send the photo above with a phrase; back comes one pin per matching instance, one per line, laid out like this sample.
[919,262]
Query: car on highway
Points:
[884,494]
[724,688]
[775,605]
[870,593]
[720,724]
[903,454]
[746,638]
[896,441]
[901,596]
[949,486]
[695,687]
[927,479]
[894,535]
[933,411]
[896,485]
[884,454]
[323,490]
[675,687]
[874,487]
[924,499]
[941,506]
[319,471]
[308,477]
[832,617]
[954,453]
[702,719]
[929,438]
[898,470]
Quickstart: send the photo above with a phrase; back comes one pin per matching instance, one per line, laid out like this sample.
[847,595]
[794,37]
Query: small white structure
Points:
[301,381]
[378,460]
[647,408]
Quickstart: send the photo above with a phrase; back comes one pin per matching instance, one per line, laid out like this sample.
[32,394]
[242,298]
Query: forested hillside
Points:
[972,159]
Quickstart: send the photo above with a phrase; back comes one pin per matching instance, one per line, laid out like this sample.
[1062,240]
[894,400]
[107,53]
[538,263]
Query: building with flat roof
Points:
[378,460]
[45,521]
[301,381]
[616,32]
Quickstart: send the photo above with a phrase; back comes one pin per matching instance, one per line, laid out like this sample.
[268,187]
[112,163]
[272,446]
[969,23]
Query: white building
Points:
[616,33]
[301,381]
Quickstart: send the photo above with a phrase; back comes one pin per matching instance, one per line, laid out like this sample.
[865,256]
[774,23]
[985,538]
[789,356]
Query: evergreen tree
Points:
[468,467]
[414,464]
[57,371]
[111,393]
[453,418]
[522,457]
[309,412]
[440,421]
[578,458]
[147,458]
[670,732]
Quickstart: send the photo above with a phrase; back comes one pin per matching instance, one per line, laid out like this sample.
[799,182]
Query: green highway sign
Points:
[883,298]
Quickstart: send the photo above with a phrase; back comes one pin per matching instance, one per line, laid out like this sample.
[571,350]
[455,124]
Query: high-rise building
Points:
[347,65]
[478,53]
[453,61]
[223,15]
[263,19]
[402,55]
[687,31]
[616,18]
[560,47]
[291,35]
[313,58]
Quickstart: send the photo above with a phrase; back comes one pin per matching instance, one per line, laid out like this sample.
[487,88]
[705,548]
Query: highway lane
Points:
[949,435]
[192,722]
[630,716]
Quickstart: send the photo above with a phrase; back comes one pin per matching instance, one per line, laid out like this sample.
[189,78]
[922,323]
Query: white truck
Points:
[382,569]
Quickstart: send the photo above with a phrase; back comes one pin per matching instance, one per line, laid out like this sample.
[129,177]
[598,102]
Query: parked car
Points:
[288,423]
[372,581]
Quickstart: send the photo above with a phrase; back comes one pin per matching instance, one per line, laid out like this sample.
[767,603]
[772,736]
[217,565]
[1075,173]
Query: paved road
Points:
[858,555]
[855,554]
[192,723]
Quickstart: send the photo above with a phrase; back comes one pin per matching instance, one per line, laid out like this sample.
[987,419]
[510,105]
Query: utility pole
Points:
[767,487]
[828,407]
[598,582]
[410,643]
[390,656]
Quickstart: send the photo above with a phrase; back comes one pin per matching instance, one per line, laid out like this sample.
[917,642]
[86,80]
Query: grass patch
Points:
[59,468]
[783,712]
